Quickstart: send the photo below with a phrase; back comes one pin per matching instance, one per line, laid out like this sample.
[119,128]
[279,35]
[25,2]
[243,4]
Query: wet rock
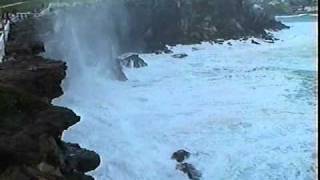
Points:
[18,48]
[80,159]
[132,61]
[118,71]
[190,170]
[255,42]
[179,56]
[180,155]
[47,168]
[218,41]
[31,127]
[168,51]
[77,176]
[35,75]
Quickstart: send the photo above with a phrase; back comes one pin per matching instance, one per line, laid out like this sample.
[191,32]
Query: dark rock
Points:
[190,170]
[31,127]
[254,42]
[118,71]
[132,61]
[80,159]
[179,56]
[219,41]
[155,24]
[18,48]
[35,75]
[180,155]
[77,176]
[168,51]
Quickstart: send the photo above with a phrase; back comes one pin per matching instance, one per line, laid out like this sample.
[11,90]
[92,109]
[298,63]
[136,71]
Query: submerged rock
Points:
[179,56]
[132,61]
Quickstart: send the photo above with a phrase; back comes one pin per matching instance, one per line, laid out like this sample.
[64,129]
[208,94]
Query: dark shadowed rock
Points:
[254,42]
[168,51]
[180,155]
[22,48]
[35,75]
[80,159]
[190,170]
[179,56]
[31,127]
[77,176]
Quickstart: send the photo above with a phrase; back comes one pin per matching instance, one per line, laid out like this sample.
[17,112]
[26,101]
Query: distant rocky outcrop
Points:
[30,126]
[155,23]
[150,25]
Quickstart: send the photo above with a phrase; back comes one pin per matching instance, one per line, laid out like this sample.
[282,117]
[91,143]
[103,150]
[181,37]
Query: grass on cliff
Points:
[30,5]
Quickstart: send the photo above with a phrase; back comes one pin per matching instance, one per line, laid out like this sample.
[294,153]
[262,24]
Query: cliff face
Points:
[155,23]
[30,126]
[149,25]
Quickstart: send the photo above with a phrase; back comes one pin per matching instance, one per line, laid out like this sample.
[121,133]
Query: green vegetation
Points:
[30,5]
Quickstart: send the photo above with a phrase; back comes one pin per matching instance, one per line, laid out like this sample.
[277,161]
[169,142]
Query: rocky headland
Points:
[155,23]
[30,126]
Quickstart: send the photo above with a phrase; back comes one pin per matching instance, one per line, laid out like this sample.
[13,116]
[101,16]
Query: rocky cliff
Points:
[30,126]
[155,23]
[150,25]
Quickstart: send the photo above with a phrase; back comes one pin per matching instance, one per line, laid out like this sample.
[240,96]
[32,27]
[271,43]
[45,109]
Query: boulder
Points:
[255,42]
[131,60]
[80,159]
[180,155]
[190,170]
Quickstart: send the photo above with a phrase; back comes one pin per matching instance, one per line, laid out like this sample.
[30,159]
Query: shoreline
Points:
[31,126]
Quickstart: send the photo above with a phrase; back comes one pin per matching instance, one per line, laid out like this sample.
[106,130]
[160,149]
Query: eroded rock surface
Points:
[30,126]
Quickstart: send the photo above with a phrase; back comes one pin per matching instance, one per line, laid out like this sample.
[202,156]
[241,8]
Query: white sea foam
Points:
[244,111]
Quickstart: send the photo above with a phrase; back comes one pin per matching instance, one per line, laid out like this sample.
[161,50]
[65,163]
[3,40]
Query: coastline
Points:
[31,127]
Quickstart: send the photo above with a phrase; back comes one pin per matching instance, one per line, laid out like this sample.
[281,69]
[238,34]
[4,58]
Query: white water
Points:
[244,111]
